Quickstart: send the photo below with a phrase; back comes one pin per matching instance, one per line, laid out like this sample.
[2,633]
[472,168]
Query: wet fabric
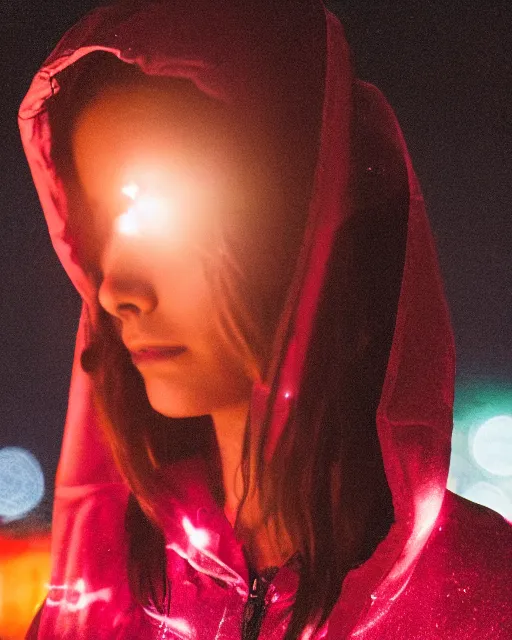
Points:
[443,570]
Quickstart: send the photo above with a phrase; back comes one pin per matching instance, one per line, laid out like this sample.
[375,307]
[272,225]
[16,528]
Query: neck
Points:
[265,545]
[229,426]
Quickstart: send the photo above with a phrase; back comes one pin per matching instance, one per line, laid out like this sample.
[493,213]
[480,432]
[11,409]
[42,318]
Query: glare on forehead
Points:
[130,190]
[144,175]
[148,214]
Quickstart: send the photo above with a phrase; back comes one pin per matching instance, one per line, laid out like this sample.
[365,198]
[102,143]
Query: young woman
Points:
[258,435]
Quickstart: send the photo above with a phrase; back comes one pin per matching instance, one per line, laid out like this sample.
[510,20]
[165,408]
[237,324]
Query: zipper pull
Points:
[254,611]
[252,602]
[256,605]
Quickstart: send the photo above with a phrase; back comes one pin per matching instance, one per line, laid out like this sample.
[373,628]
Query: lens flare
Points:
[130,190]
[149,214]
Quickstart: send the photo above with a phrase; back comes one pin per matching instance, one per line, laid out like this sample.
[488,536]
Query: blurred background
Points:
[446,68]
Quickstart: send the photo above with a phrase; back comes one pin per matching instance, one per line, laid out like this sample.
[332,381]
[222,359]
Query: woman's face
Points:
[154,192]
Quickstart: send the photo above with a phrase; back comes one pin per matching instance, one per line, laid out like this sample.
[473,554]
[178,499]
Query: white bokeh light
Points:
[490,496]
[21,483]
[492,445]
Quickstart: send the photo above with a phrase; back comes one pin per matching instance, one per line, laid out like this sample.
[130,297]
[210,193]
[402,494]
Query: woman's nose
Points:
[125,294]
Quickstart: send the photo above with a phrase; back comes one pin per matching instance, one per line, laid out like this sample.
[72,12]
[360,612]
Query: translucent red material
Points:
[444,569]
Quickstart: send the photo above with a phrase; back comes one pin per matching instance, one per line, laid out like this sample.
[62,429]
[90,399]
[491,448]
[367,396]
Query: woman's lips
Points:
[156,354]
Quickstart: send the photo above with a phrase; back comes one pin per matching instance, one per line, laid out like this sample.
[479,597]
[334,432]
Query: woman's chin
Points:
[173,403]
[187,401]
[175,409]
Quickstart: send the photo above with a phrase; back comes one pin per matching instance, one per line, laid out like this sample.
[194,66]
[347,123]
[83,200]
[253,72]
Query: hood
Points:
[229,50]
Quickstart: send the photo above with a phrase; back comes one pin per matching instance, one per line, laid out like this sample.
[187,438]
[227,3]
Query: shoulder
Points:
[471,544]
[472,532]
[462,580]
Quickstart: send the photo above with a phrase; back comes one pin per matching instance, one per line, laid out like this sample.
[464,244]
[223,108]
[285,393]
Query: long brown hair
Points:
[332,497]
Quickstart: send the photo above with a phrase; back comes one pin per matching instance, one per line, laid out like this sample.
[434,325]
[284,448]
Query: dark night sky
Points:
[446,67]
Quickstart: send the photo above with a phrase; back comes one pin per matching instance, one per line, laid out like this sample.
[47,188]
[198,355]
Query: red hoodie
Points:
[443,570]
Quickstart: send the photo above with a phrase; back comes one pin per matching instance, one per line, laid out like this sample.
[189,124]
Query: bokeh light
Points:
[490,496]
[481,463]
[24,574]
[492,445]
[21,483]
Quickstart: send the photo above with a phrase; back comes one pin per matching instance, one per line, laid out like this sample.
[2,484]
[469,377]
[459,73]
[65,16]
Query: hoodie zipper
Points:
[256,605]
